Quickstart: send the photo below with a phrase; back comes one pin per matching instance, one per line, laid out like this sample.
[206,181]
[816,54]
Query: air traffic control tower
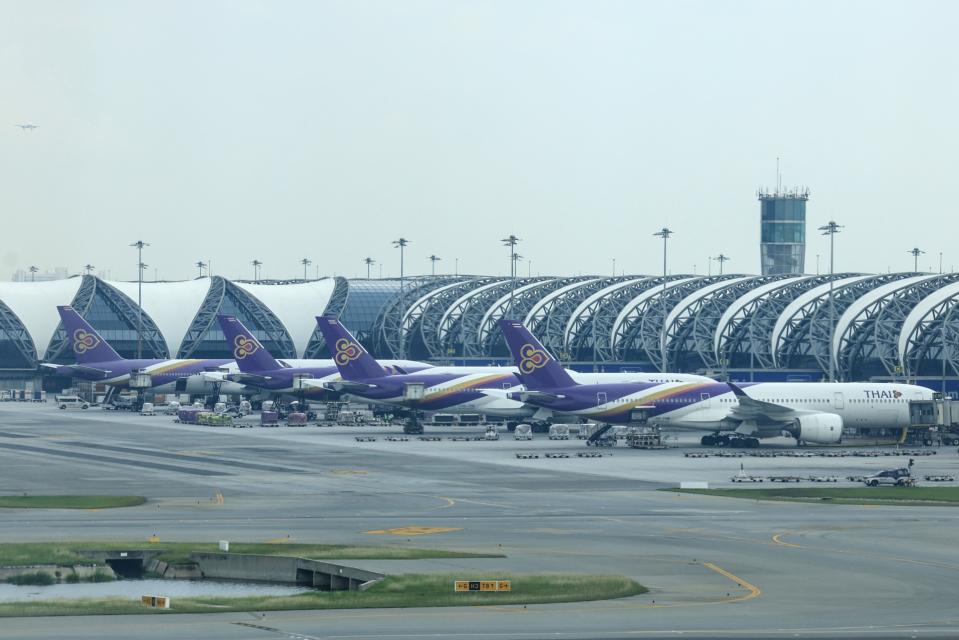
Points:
[783,231]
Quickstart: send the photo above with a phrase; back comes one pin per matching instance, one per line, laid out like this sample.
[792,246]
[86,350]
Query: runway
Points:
[716,567]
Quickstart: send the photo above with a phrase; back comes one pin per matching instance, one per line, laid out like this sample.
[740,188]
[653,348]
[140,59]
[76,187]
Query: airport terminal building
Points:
[773,327]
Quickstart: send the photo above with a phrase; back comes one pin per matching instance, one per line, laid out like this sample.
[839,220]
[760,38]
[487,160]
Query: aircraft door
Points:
[837,400]
[600,398]
[704,400]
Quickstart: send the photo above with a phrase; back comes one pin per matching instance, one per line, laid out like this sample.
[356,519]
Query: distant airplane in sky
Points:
[26,127]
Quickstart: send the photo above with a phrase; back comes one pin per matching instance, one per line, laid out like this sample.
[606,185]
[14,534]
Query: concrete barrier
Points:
[324,576]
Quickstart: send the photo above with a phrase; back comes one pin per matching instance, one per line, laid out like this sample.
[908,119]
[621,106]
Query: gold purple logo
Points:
[531,358]
[346,351]
[244,347]
[84,341]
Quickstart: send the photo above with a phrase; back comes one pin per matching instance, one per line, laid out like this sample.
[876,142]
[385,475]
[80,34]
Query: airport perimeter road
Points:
[715,566]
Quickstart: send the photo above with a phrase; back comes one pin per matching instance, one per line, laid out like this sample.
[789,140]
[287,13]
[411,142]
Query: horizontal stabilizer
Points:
[244,378]
[91,371]
[524,396]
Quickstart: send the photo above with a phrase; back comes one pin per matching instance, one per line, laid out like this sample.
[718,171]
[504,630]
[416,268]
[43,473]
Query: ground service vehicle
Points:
[523,432]
[71,402]
[891,477]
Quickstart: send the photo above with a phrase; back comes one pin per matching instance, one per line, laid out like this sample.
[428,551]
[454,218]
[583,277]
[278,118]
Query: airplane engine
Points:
[818,428]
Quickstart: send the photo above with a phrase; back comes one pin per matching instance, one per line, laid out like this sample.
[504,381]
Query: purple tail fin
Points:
[538,369]
[352,360]
[250,355]
[85,342]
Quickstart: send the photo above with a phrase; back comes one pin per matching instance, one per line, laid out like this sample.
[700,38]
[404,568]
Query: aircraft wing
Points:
[760,411]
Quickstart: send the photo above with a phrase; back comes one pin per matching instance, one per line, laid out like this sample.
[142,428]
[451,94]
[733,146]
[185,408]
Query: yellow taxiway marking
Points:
[754,591]
[280,540]
[778,540]
[412,531]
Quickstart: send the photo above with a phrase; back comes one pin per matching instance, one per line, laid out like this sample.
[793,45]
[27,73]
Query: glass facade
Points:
[364,303]
[13,341]
[213,343]
[783,234]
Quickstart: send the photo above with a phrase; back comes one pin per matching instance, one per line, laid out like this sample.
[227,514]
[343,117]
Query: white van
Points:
[523,432]
[71,402]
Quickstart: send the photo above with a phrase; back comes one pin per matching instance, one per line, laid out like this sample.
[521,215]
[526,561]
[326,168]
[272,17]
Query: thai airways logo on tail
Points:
[84,341]
[243,347]
[87,345]
[250,354]
[346,351]
[531,358]
[351,359]
[540,371]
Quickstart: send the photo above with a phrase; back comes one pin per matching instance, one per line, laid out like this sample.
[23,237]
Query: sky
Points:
[237,130]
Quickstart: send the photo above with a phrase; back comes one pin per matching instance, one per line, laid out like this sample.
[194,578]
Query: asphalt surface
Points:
[716,567]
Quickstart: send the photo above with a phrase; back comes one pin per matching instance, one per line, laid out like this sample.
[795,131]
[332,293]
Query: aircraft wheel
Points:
[708,441]
[722,441]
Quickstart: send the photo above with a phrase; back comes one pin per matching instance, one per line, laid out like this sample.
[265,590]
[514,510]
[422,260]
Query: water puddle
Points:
[133,589]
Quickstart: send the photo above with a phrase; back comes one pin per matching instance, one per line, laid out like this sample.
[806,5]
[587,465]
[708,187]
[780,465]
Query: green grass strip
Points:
[910,496]
[70,502]
[408,590]
[67,553]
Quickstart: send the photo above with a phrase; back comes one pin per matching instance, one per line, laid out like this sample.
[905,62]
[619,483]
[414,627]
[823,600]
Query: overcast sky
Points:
[281,130]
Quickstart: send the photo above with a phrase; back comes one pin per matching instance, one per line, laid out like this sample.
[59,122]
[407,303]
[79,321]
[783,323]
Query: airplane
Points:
[26,127]
[807,411]
[97,361]
[258,368]
[447,389]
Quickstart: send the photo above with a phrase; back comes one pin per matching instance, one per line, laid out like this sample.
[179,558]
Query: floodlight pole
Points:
[511,241]
[369,263]
[830,229]
[663,233]
[916,252]
[139,244]
[305,262]
[721,259]
[401,245]
[433,260]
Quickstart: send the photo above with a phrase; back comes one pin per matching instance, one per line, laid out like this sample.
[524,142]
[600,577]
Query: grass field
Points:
[69,502]
[410,590]
[29,553]
[922,496]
